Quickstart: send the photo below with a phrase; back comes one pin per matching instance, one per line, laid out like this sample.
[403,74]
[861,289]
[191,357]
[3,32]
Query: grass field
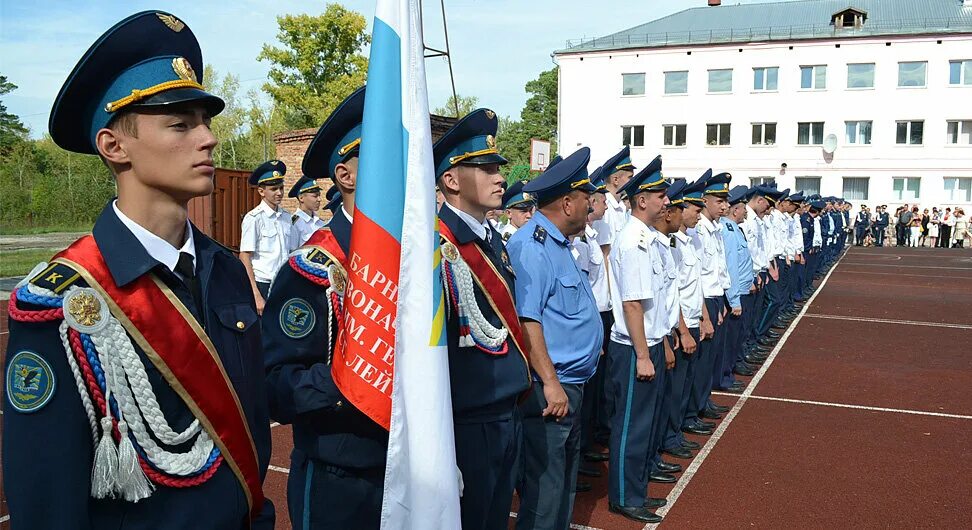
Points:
[8,230]
[20,262]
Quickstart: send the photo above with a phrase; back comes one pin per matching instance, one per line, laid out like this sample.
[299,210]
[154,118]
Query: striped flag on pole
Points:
[392,362]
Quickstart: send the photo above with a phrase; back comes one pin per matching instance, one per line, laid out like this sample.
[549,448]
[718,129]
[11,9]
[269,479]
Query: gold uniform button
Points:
[240,325]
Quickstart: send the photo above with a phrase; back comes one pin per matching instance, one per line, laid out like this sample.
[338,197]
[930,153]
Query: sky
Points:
[497,46]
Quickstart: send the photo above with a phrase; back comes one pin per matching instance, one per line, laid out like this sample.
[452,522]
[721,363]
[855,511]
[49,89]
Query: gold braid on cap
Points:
[465,156]
[651,184]
[138,95]
[579,183]
[347,148]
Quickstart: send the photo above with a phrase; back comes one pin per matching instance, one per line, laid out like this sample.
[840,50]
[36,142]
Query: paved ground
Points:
[53,240]
[860,419]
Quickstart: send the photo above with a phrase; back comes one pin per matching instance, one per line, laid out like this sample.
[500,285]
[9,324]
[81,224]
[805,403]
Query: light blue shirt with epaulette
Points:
[552,290]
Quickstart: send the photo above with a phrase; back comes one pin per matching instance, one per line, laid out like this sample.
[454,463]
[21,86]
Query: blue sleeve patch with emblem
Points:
[297,318]
[30,382]
[318,256]
[539,234]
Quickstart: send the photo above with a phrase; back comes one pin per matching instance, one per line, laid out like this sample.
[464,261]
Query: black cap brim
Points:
[482,160]
[170,98]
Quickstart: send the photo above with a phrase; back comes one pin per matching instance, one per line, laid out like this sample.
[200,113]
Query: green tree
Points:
[538,119]
[319,64]
[466,105]
[12,130]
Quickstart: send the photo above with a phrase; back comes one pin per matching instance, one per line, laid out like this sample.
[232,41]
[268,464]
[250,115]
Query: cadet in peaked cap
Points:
[305,219]
[266,237]
[519,206]
[556,304]
[144,272]
[648,179]
[333,154]
[487,361]
[738,195]
[717,184]
[334,199]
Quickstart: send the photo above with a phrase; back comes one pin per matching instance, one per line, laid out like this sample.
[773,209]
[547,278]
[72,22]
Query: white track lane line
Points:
[864,407]
[895,265]
[927,277]
[274,424]
[689,473]
[889,321]
[279,469]
[4,519]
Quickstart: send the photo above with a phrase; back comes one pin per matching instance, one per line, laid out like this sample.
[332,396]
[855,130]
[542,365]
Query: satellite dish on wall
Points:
[830,144]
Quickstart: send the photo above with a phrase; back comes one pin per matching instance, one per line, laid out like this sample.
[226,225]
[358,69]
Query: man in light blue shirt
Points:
[739,263]
[563,335]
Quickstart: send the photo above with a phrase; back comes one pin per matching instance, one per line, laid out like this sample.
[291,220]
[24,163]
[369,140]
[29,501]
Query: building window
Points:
[760,181]
[810,133]
[632,84]
[910,132]
[813,77]
[906,188]
[720,80]
[848,19]
[633,135]
[855,188]
[765,79]
[676,82]
[858,132]
[960,72]
[959,132]
[808,185]
[764,134]
[860,75]
[674,135]
[958,189]
[911,74]
[717,134]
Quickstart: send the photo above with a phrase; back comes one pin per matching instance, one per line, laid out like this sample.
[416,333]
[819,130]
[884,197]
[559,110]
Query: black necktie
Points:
[186,269]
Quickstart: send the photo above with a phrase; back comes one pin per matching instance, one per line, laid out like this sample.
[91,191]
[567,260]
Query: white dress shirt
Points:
[304,226]
[755,233]
[159,249]
[817,234]
[687,254]
[641,272]
[481,229]
[592,262]
[267,233]
[715,277]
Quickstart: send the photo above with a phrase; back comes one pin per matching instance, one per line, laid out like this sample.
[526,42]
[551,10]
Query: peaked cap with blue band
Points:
[784,195]
[338,140]
[334,199]
[565,177]
[676,193]
[471,141]
[796,197]
[717,184]
[739,194]
[554,161]
[769,192]
[620,161]
[269,173]
[597,179]
[303,185]
[648,179]
[693,192]
[818,204]
[515,197]
[150,59]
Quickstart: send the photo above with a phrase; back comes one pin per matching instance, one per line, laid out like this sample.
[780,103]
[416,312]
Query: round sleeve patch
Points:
[30,382]
[297,318]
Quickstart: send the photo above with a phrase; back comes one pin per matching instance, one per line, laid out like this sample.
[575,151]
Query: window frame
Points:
[760,181]
[644,81]
[900,197]
[964,80]
[675,127]
[813,77]
[850,196]
[798,180]
[873,76]
[950,192]
[810,135]
[765,78]
[665,82]
[709,81]
[633,136]
[924,77]
[762,125]
[719,127]
[962,127]
[857,133]
[908,133]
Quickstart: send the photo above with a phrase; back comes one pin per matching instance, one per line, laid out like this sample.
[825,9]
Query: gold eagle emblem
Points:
[184,70]
[171,22]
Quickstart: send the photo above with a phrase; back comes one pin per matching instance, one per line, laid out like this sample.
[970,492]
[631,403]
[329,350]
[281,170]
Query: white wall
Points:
[592,110]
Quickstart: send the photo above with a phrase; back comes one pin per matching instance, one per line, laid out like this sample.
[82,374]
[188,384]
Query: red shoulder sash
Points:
[324,239]
[182,352]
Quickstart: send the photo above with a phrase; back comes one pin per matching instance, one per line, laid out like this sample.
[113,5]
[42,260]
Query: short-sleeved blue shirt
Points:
[553,291]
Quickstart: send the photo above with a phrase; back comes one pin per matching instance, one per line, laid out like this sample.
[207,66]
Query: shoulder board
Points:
[672,241]
[56,277]
[318,256]
[539,234]
[293,219]
[730,228]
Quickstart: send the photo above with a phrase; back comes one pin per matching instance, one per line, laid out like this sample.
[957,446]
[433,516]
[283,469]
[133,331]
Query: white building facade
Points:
[762,105]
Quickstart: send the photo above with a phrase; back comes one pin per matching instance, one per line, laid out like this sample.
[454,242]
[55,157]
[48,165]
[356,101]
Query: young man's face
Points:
[620,178]
[655,203]
[673,218]
[519,216]
[715,206]
[173,150]
[690,217]
[310,201]
[599,205]
[480,187]
[273,195]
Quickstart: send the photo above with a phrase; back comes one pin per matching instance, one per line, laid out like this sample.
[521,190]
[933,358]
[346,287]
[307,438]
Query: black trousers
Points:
[945,239]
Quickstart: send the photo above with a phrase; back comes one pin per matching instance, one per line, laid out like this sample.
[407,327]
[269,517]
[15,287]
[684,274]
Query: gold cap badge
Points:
[490,114]
[183,69]
[171,22]
[490,141]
